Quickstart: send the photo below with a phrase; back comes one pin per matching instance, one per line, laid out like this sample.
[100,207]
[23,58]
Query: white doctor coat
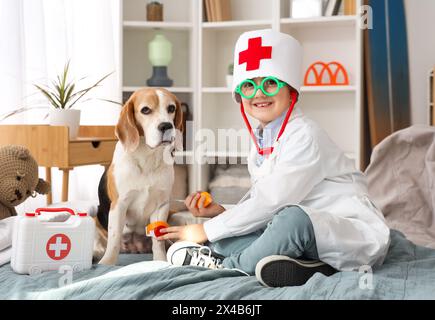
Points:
[307,169]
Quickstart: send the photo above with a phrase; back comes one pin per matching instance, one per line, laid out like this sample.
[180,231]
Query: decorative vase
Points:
[69,118]
[160,55]
[154,11]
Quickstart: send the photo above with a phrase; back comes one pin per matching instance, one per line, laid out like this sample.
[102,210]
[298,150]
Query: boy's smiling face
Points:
[264,108]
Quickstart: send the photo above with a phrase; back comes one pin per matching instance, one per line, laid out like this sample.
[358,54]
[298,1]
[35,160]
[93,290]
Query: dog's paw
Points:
[97,255]
[107,262]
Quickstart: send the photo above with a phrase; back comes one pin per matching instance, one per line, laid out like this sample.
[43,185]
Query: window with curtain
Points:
[37,38]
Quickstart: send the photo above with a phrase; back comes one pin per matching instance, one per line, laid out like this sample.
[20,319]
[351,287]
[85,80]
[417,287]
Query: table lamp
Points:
[160,55]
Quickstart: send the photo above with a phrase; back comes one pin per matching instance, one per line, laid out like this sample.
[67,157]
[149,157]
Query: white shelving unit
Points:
[180,28]
[202,52]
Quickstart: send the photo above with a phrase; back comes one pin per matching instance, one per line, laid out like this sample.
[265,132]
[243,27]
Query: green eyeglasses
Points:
[270,86]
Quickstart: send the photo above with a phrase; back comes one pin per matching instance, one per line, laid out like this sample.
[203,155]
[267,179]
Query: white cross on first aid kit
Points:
[51,238]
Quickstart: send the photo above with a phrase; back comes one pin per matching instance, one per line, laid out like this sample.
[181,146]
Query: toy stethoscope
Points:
[269,150]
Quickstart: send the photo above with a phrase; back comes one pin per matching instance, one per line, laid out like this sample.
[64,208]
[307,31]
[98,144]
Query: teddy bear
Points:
[18,179]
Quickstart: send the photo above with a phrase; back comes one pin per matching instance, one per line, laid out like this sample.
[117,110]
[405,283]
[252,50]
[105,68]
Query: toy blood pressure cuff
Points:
[153,229]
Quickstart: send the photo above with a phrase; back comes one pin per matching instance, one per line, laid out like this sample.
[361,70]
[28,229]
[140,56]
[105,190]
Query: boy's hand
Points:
[190,232]
[212,210]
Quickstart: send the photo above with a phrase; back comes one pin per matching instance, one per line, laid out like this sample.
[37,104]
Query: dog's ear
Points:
[126,130]
[179,116]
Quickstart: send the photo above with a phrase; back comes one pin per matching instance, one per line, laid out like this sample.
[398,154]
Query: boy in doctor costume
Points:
[308,210]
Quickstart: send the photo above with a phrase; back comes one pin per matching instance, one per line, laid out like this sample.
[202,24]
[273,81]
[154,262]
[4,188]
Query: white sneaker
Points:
[186,253]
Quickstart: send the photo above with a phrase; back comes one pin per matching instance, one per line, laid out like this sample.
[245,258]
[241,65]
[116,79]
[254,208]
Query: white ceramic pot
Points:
[229,80]
[69,118]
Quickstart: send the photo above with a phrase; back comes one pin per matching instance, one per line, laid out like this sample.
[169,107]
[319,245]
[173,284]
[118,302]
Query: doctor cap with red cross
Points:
[264,53]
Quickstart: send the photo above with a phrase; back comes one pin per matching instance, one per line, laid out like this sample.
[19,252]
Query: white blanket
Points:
[6,228]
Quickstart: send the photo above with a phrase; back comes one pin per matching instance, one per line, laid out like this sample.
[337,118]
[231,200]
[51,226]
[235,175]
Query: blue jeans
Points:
[290,233]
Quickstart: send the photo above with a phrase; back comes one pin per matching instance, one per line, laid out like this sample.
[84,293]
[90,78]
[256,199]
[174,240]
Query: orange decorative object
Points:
[153,229]
[319,77]
[208,199]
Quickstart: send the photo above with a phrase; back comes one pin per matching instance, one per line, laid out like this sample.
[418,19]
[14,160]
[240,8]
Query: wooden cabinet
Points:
[51,147]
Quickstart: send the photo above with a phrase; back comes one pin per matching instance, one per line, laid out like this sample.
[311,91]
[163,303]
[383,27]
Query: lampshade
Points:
[160,51]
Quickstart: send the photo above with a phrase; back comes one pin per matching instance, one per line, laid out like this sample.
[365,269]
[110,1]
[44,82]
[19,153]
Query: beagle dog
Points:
[136,188]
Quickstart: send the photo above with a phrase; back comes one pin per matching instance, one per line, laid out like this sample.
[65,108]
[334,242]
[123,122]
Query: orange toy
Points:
[153,229]
[330,79]
[208,199]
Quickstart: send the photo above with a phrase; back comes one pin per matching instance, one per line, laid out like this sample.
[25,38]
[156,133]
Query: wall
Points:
[420,15]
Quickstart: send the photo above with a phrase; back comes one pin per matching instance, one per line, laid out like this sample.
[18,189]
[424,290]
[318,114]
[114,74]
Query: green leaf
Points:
[89,88]
[69,91]
[111,101]
[49,96]
[18,111]
[65,74]
[55,95]
[60,93]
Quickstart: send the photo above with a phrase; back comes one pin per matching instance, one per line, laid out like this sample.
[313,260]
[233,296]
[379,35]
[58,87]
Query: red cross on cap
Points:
[254,54]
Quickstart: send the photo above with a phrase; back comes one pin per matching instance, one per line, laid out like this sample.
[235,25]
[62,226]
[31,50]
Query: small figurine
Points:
[153,229]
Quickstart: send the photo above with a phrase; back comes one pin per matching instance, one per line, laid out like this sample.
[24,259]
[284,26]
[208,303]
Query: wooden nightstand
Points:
[51,147]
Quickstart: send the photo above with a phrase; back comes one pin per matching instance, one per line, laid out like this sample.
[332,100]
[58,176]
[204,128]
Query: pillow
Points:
[401,179]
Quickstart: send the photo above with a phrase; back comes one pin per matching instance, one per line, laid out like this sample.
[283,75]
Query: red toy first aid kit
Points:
[50,238]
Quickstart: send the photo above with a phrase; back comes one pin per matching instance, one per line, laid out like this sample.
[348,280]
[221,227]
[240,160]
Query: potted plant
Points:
[62,97]
[230,75]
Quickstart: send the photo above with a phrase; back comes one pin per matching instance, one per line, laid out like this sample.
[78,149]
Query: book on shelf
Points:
[332,7]
[341,9]
[226,10]
[214,8]
[350,7]
[207,10]
[217,10]
[218,7]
